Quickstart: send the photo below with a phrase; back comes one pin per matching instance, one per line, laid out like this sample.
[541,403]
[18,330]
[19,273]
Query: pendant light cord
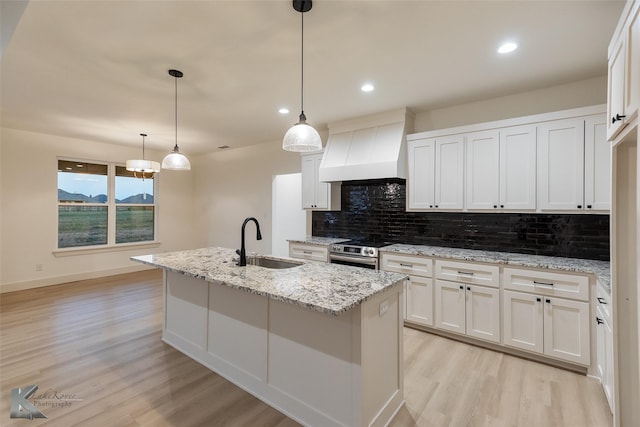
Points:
[302,117]
[176,112]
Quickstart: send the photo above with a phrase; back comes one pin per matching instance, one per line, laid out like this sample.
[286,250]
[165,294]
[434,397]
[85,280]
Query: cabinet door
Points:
[483,313]
[600,346]
[566,330]
[632,78]
[422,157]
[561,164]
[615,92]
[607,382]
[420,300]
[483,170]
[523,321]
[597,164]
[308,181]
[450,306]
[518,167]
[449,177]
[322,188]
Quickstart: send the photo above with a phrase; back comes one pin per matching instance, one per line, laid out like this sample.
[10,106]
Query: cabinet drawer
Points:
[604,303]
[547,283]
[479,274]
[309,252]
[407,264]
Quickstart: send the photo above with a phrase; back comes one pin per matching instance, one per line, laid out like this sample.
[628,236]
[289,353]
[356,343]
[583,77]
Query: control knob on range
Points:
[369,251]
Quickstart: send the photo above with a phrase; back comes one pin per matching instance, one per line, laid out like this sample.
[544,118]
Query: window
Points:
[103,204]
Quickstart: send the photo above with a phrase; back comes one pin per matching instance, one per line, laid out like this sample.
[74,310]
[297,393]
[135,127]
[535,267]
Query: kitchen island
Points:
[322,343]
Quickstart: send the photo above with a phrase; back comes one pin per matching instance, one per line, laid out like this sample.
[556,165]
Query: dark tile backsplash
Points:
[375,209]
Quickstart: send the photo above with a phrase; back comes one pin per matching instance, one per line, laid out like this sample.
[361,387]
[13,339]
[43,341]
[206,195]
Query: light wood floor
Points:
[100,340]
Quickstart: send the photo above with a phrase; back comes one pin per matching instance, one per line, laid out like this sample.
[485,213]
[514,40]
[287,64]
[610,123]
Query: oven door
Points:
[355,261]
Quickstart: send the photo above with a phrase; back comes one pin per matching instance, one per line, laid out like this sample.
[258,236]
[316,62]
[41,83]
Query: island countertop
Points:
[328,288]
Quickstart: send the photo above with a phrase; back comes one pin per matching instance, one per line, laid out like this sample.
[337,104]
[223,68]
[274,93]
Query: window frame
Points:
[111,206]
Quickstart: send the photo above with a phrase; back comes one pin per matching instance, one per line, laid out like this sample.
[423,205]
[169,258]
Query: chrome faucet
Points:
[243,254]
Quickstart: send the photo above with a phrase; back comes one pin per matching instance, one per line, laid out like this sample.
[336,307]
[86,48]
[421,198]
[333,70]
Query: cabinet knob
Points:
[468,288]
[548,301]
[495,206]
[430,206]
[599,321]
[601,300]
[539,299]
[617,118]
[436,206]
[588,206]
[579,206]
[502,206]
[462,287]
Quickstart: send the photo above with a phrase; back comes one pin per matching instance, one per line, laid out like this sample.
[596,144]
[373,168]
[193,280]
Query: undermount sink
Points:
[272,263]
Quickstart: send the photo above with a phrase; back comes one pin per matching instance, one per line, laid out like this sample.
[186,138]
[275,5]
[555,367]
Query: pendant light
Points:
[143,166]
[301,136]
[176,160]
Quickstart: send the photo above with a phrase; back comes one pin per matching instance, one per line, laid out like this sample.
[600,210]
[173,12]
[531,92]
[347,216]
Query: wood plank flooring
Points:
[99,340]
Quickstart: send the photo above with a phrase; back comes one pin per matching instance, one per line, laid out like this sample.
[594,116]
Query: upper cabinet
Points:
[436,173]
[317,195]
[554,162]
[501,169]
[623,94]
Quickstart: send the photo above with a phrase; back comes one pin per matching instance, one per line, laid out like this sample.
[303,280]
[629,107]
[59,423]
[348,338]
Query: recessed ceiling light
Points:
[367,87]
[507,47]
[283,111]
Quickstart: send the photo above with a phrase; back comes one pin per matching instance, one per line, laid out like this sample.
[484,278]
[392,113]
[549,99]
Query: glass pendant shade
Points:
[301,138]
[145,166]
[176,161]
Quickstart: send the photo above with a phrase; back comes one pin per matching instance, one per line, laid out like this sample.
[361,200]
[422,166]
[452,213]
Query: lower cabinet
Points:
[555,327]
[419,300]
[309,252]
[468,309]
[604,349]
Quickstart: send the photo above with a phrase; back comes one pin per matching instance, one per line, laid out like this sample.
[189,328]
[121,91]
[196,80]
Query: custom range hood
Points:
[371,147]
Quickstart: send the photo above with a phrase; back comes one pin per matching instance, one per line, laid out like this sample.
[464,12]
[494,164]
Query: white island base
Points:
[317,368]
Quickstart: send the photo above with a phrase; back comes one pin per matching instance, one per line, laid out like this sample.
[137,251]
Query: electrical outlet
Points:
[39,267]
[384,307]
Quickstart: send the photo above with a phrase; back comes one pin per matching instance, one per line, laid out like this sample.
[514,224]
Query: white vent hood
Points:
[371,147]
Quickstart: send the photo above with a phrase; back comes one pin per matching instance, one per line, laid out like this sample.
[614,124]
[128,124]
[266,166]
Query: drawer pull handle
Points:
[467,273]
[599,321]
[601,300]
[536,283]
[307,252]
[406,265]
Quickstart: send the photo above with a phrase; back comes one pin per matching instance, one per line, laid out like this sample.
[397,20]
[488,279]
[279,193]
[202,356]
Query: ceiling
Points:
[97,70]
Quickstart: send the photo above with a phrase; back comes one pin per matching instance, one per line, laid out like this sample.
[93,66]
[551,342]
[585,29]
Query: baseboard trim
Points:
[57,280]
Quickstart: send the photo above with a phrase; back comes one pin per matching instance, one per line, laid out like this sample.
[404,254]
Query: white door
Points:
[518,167]
[422,155]
[523,321]
[566,330]
[483,313]
[450,306]
[308,181]
[597,164]
[419,298]
[616,88]
[561,164]
[449,180]
[483,170]
[322,188]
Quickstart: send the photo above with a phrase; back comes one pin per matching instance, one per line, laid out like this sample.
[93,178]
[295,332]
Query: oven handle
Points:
[359,260]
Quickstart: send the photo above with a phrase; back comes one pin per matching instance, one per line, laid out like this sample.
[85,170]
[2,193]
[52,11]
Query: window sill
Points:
[89,250]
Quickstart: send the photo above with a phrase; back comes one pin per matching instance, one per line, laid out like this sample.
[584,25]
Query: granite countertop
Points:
[327,288]
[601,269]
[321,241]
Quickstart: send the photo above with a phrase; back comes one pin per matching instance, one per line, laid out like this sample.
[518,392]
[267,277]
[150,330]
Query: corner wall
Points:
[28,218]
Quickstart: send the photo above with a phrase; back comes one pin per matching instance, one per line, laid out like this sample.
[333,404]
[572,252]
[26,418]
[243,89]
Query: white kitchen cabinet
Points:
[597,164]
[623,95]
[501,169]
[468,309]
[555,327]
[436,173]
[561,165]
[419,300]
[317,195]
[309,252]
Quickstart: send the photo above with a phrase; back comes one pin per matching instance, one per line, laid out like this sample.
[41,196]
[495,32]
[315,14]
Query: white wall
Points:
[235,184]
[28,217]
[582,93]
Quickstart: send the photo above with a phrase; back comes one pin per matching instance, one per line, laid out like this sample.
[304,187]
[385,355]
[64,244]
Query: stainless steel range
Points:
[358,253]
